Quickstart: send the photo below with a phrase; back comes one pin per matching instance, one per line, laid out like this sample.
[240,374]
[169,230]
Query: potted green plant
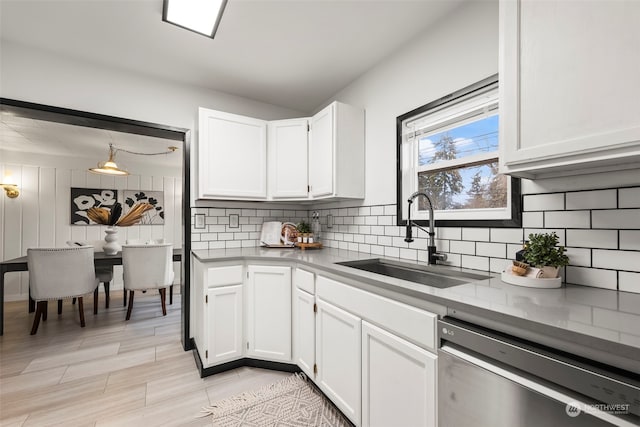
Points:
[542,251]
[303,231]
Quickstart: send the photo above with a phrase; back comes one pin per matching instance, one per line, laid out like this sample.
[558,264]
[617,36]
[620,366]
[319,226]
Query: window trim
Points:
[515,196]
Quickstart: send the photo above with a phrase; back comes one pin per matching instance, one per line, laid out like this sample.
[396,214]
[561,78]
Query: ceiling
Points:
[40,137]
[294,53]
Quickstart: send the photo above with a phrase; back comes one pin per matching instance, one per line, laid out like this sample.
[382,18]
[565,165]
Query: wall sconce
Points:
[10,188]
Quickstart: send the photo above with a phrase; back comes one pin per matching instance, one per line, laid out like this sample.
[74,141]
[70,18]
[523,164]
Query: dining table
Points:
[100,259]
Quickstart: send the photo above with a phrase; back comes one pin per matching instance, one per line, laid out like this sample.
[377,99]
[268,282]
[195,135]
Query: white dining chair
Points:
[148,242]
[104,274]
[147,267]
[60,273]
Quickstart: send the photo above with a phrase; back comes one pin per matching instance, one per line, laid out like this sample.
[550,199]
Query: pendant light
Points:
[111,168]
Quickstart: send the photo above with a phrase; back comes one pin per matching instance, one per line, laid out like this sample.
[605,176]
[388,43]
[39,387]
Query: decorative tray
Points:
[304,246]
[531,282]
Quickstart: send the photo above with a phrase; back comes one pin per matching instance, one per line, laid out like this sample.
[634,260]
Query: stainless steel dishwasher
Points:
[486,378]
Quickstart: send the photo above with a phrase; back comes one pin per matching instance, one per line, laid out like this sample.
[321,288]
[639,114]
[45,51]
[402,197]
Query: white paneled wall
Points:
[40,216]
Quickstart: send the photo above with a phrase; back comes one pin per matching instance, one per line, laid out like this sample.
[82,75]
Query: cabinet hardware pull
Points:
[206,299]
[206,354]
[315,368]
[315,307]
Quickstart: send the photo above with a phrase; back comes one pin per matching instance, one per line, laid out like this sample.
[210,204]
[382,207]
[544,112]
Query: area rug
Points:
[293,402]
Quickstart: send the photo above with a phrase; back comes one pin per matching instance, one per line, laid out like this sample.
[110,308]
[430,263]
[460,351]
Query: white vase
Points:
[112,246]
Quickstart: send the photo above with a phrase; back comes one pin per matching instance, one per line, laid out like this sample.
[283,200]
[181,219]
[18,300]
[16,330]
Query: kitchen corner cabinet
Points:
[338,358]
[232,156]
[386,360]
[287,153]
[568,103]
[336,152]
[269,312]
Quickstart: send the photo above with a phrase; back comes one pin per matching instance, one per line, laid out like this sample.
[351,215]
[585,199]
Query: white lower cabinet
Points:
[338,358]
[398,381]
[304,331]
[269,312]
[224,324]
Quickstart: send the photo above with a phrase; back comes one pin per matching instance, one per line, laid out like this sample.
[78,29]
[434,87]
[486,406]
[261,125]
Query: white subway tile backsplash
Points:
[616,260]
[630,239]
[385,240]
[507,235]
[600,227]
[533,219]
[543,202]
[498,265]
[451,233]
[594,277]
[629,282]
[392,252]
[475,234]
[377,210]
[377,250]
[462,247]
[410,254]
[475,262]
[399,242]
[495,250]
[579,256]
[597,199]
[381,220]
[619,219]
[567,219]
[629,197]
[390,230]
[362,247]
[606,239]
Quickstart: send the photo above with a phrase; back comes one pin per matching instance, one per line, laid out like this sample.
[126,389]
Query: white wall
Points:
[38,76]
[461,49]
[40,216]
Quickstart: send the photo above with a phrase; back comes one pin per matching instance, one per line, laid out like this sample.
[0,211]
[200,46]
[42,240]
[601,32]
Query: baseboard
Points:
[245,361]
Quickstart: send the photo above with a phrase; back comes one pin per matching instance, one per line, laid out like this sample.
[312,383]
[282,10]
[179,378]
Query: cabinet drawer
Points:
[305,281]
[221,276]
[411,323]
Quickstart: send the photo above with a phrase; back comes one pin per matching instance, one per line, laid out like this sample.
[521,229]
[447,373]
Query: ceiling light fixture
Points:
[200,16]
[111,168]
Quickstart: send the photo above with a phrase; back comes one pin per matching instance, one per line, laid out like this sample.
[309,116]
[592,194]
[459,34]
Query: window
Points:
[449,149]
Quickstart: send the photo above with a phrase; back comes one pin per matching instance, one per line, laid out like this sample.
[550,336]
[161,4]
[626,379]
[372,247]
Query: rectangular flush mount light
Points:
[200,16]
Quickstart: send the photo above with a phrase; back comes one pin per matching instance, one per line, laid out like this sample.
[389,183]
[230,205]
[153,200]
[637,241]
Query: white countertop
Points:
[604,320]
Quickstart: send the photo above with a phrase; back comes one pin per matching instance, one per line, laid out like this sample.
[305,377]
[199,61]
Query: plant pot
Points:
[549,272]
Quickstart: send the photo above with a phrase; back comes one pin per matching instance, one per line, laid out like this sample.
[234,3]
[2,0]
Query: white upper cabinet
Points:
[232,156]
[570,102]
[242,158]
[288,143]
[336,152]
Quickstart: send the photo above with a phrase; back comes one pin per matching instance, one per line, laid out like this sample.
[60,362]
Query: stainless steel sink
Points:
[438,277]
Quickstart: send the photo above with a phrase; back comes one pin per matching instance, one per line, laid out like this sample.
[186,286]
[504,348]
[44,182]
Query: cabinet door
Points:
[232,156]
[304,331]
[269,312]
[568,101]
[288,174]
[321,146]
[398,381]
[224,324]
[338,358]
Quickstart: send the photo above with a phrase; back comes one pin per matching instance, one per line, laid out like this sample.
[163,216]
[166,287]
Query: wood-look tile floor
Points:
[110,373]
